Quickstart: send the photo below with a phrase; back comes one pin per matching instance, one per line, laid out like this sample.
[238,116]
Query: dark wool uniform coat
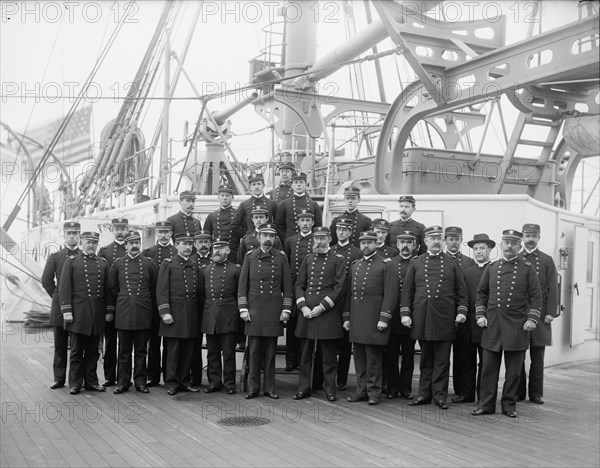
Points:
[159,252]
[219,223]
[133,283]
[400,267]
[360,223]
[184,224]
[370,297]
[281,192]
[546,270]
[177,294]
[297,247]
[83,291]
[242,219]
[250,242]
[463,261]
[265,289]
[321,280]
[469,331]
[112,252]
[433,294]
[51,280]
[399,226]
[288,210]
[508,294]
[387,251]
[350,253]
[218,287]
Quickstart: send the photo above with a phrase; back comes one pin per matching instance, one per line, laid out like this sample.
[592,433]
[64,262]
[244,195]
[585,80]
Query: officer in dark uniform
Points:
[406,207]
[179,307]
[381,227]
[184,222]
[468,334]
[288,210]
[350,253]
[284,189]
[50,282]
[219,222]
[370,296]
[250,241]
[433,301]
[133,283]
[319,300]
[359,222]
[111,253]
[509,302]
[265,303]
[541,336]
[202,244]
[86,304]
[297,247]
[162,250]
[399,380]
[218,285]
[242,220]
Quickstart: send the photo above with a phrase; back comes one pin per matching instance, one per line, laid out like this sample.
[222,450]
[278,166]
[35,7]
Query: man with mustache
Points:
[370,295]
[250,241]
[319,299]
[265,303]
[359,222]
[179,306]
[541,336]
[202,244]
[509,300]
[382,229]
[218,285]
[50,282]
[183,222]
[433,301]
[242,220]
[468,335]
[219,222]
[284,189]
[133,283]
[111,253]
[86,304]
[406,207]
[399,380]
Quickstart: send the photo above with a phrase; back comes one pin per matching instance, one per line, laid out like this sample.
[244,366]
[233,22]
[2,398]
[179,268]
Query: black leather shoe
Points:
[57,384]
[392,395]
[374,401]
[331,397]
[356,397]
[419,401]
[441,404]
[120,389]
[462,399]
[341,387]
[272,395]
[109,383]
[301,396]
[212,389]
[407,395]
[480,412]
[172,391]
[510,413]
[96,388]
[250,396]
[191,388]
[538,400]
[152,383]
[230,391]
[142,389]
[74,390]
[290,367]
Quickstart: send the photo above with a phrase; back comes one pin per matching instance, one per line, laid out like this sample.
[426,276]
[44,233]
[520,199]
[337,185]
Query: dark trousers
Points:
[513,360]
[344,356]
[465,361]
[434,369]
[136,341]
[110,351]
[157,360]
[179,360]
[261,350]
[394,378]
[327,357]
[221,343]
[61,347]
[83,361]
[457,377]
[292,343]
[369,369]
[197,365]
[536,374]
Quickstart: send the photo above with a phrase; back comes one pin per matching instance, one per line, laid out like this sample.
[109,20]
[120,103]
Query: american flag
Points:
[74,145]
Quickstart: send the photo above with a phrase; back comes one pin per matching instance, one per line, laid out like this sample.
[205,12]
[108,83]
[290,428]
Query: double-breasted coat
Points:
[469,331]
[184,223]
[219,286]
[289,209]
[360,223]
[51,281]
[399,226]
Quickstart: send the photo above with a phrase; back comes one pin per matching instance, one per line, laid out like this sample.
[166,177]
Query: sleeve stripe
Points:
[404,309]
[385,314]
[480,309]
[462,309]
[329,301]
[535,312]
[163,306]
[299,300]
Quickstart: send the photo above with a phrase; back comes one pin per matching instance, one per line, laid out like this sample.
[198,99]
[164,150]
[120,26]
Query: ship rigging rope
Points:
[28,299]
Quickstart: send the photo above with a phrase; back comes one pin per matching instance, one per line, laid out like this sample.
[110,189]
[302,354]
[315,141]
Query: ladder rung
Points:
[544,144]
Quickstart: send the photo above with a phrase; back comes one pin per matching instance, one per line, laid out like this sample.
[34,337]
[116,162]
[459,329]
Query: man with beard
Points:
[86,304]
[406,207]
[111,253]
[50,282]
[399,381]
[218,285]
[284,189]
[509,300]
[359,222]
[242,220]
[468,335]
[184,222]
[319,299]
[381,227]
[350,253]
[370,295]
[162,250]
[541,336]
[250,241]
[265,303]
[179,308]
[288,209]
[133,283]
[433,301]
[219,222]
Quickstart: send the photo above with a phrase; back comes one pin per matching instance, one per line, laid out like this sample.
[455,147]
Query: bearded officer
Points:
[509,300]
[50,282]
[87,304]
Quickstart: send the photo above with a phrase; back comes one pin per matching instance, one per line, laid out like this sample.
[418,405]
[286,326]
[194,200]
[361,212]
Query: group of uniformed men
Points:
[362,287]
